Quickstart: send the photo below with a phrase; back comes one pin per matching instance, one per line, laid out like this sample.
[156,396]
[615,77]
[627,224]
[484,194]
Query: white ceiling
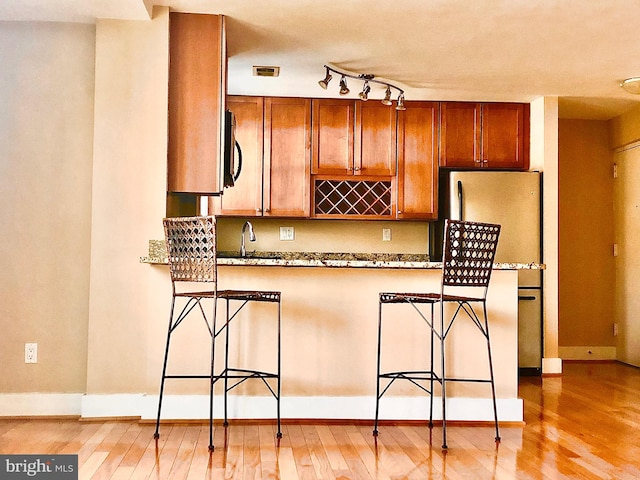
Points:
[578,50]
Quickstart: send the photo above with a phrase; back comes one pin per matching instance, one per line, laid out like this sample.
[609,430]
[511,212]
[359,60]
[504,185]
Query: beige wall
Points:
[586,233]
[46,135]
[544,157]
[625,134]
[129,182]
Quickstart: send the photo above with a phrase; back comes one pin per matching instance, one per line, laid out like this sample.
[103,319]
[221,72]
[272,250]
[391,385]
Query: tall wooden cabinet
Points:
[274,134]
[287,157]
[197,86]
[417,181]
[484,135]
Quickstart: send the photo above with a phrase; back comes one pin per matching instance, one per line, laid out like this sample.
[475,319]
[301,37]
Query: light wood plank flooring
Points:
[584,424]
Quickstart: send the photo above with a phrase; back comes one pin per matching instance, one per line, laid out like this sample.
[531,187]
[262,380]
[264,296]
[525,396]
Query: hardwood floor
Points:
[584,424]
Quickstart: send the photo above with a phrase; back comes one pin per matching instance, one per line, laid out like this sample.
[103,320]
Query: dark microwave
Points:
[232,162]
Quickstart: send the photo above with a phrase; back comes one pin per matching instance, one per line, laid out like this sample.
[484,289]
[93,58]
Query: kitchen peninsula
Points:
[329,328]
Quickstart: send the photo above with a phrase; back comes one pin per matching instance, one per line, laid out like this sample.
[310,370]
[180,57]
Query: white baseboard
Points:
[181,407]
[551,366]
[40,404]
[587,353]
[196,407]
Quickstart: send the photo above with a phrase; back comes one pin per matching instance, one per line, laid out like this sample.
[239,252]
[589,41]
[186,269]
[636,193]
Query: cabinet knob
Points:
[357,169]
[399,212]
[258,210]
[267,210]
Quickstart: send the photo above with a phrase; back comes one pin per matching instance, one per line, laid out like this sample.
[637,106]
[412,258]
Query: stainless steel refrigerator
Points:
[513,200]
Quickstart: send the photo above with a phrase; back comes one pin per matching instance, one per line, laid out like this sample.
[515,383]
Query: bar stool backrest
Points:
[469,251]
[191,248]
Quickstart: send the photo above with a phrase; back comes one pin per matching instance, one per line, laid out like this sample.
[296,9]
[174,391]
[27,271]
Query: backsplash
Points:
[326,236]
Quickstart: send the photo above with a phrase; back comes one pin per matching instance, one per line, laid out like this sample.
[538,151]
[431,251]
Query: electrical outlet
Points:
[30,353]
[286,233]
[386,234]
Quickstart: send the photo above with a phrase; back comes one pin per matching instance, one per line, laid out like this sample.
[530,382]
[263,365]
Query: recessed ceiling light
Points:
[631,85]
[266,71]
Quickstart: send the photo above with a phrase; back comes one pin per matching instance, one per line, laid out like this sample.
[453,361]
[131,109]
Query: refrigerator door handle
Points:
[460,199]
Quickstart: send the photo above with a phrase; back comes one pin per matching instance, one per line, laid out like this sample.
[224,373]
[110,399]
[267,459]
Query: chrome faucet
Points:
[252,237]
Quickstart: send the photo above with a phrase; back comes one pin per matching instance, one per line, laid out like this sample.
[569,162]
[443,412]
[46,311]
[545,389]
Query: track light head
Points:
[343,86]
[364,94]
[325,81]
[387,97]
[400,105]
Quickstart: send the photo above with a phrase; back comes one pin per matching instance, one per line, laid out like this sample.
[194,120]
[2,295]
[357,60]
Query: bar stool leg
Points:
[375,424]
[444,387]
[212,378]
[279,434]
[431,374]
[226,365]
[493,386]
[156,435]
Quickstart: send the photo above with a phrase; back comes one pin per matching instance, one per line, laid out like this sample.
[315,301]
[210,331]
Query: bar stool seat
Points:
[192,253]
[469,251]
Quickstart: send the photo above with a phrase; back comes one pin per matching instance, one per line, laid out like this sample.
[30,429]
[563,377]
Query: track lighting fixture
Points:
[366,88]
[343,86]
[324,83]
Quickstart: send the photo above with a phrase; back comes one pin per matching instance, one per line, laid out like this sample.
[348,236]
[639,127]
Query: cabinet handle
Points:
[258,210]
[267,210]
[357,169]
[399,212]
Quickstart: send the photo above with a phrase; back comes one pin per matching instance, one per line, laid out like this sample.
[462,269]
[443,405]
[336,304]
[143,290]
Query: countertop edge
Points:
[271,262]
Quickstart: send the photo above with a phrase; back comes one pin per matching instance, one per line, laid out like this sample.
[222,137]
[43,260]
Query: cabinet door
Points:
[245,197]
[504,135]
[333,123]
[460,135]
[197,82]
[287,152]
[417,184]
[375,139]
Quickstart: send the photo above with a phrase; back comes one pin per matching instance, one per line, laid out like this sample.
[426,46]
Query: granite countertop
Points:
[157,255]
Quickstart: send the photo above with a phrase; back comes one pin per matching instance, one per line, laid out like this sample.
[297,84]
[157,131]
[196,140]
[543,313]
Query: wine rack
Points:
[352,197]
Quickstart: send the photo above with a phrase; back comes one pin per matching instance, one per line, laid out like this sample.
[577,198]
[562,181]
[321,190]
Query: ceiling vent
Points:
[266,71]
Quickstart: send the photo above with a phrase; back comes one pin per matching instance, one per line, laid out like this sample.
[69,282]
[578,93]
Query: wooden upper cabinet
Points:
[245,197]
[287,157]
[333,136]
[197,86]
[353,138]
[375,139]
[505,135]
[275,137]
[484,135]
[460,132]
[417,184]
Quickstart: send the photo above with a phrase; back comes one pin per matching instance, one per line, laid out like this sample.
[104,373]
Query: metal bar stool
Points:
[191,247]
[469,251]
